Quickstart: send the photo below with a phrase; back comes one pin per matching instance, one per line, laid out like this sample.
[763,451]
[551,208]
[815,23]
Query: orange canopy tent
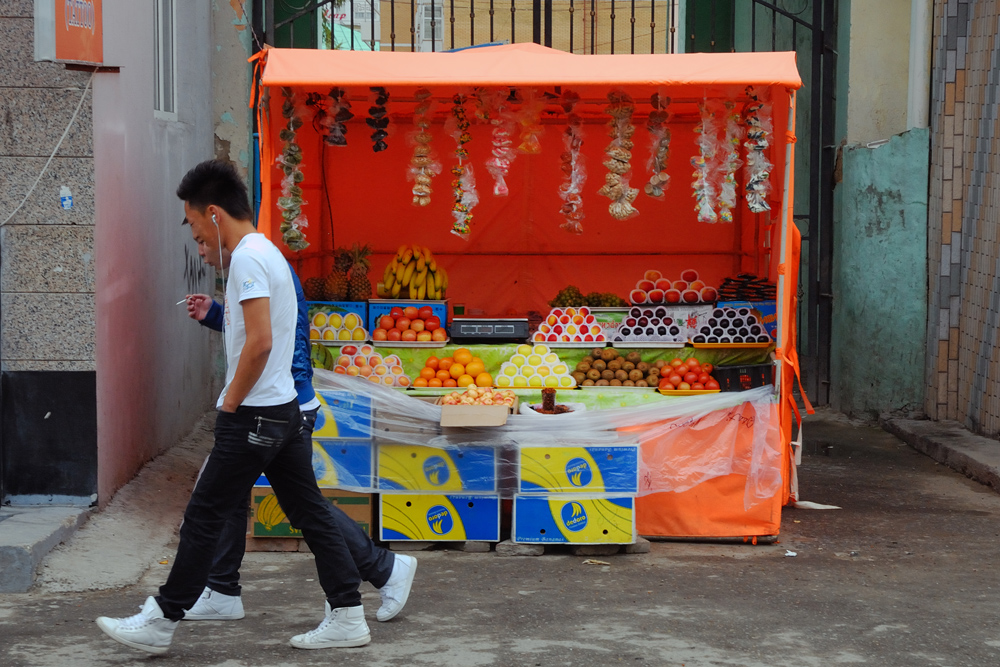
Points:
[517,257]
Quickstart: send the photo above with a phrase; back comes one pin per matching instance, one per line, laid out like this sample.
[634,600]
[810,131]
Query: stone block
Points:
[43,206]
[594,549]
[35,118]
[26,536]
[474,547]
[641,546]
[508,548]
[17,9]
[16,365]
[47,258]
[403,545]
[47,327]
[21,70]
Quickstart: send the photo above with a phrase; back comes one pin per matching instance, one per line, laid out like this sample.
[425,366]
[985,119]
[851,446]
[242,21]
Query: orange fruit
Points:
[434,382]
[457,370]
[484,380]
[477,359]
[463,356]
[465,381]
[420,382]
[450,383]
[443,375]
[474,368]
[445,364]
[427,373]
[432,362]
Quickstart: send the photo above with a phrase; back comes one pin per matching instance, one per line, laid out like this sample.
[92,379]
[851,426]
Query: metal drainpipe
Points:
[918,89]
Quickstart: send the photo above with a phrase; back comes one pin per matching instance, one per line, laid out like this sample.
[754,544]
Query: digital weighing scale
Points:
[490,329]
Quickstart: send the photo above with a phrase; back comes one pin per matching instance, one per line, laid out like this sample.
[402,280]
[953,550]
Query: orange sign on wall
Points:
[78,31]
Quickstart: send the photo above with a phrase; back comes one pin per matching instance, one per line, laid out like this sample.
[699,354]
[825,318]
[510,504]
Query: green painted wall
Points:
[880,277]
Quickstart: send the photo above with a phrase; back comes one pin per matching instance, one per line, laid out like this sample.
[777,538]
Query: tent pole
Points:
[786,220]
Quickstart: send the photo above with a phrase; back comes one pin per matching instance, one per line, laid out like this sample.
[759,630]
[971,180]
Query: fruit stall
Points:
[554,286]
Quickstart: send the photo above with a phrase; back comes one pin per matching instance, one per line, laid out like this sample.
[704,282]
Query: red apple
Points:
[637,296]
[409,335]
[645,285]
[425,336]
[410,312]
[656,296]
[403,323]
[439,335]
[396,312]
[386,322]
[708,294]
[395,334]
[690,275]
[380,334]
[417,325]
[433,323]
[679,285]
[696,285]
[672,296]
[690,296]
[663,284]
[425,312]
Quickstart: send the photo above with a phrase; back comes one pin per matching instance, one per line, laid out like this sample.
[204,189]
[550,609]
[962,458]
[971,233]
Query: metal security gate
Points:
[808,27]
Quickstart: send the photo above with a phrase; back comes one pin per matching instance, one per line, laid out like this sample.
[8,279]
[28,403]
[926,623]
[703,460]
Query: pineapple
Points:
[336,283]
[359,287]
[315,289]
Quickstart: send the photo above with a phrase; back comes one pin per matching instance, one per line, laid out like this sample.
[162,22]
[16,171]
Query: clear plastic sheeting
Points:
[668,445]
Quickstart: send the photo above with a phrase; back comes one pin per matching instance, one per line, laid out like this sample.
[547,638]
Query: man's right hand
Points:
[198,305]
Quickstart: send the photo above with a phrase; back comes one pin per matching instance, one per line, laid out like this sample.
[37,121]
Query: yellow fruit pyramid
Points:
[535,366]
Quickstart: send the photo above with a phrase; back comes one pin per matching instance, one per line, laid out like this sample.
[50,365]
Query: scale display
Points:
[514,329]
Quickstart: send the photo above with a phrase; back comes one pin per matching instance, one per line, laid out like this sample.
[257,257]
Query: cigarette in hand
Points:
[184,300]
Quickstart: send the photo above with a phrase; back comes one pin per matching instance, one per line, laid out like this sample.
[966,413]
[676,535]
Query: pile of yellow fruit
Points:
[413,274]
[337,326]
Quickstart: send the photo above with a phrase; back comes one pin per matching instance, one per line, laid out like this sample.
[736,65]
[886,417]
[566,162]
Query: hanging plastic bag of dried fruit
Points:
[619,152]
[757,119]
[704,165]
[492,106]
[530,120]
[290,203]
[659,146]
[730,164]
[378,118]
[423,164]
[572,166]
[463,182]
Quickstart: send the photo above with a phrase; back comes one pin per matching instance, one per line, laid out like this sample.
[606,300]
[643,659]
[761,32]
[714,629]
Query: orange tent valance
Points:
[526,65]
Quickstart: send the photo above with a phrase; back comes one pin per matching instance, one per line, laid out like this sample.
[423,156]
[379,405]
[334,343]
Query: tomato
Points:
[690,378]
[711,384]
[665,384]
[425,312]
[675,362]
[432,323]
[684,386]
[396,312]
[704,377]
[707,368]
[697,385]
[692,362]
[675,379]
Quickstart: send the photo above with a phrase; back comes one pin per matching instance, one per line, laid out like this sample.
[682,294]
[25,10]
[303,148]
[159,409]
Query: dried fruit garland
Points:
[338,114]
[290,202]
[619,153]
[659,150]
[730,164]
[378,119]
[531,126]
[572,167]
[704,190]
[464,183]
[757,118]
[423,166]
[492,107]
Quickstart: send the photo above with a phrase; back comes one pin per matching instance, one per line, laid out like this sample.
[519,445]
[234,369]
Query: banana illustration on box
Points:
[557,469]
[269,512]
[440,518]
[425,468]
[343,464]
[343,415]
[573,520]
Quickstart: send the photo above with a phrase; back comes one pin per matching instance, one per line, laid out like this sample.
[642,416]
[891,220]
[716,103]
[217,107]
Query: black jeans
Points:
[373,563]
[247,442]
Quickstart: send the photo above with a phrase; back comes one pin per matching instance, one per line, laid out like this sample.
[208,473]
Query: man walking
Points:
[257,429]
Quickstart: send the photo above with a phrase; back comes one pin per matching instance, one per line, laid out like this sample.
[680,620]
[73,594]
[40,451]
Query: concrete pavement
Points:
[904,575]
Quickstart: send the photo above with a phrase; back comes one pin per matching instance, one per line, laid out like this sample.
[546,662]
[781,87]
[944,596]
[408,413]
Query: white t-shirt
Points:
[258,270]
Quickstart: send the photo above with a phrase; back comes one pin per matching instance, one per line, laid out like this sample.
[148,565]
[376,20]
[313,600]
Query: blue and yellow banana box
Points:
[563,519]
[269,520]
[437,469]
[557,469]
[439,518]
[340,464]
[342,414]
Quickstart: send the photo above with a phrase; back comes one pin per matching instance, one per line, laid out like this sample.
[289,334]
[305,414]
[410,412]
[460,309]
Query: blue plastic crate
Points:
[379,307]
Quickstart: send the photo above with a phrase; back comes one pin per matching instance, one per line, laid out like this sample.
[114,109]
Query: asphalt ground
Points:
[904,574]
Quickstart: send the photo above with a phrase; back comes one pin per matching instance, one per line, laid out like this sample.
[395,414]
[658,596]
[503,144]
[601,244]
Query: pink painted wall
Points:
[155,366]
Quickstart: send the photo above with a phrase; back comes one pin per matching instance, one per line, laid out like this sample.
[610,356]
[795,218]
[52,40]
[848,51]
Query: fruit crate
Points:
[379,307]
[742,378]
[323,328]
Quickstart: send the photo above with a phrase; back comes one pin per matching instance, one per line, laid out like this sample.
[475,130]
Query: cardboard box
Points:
[476,415]
[437,469]
[343,463]
[564,469]
[342,414]
[379,307]
[269,519]
[565,519]
[439,518]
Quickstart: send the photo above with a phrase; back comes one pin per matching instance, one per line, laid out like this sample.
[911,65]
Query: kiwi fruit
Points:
[599,365]
[654,371]
[601,383]
[635,375]
[642,366]
[634,357]
[614,364]
[587,360]
[660,363]
[653,380]
[628,383]
[579,376]
[609,354]
[622,375]
[615,383]
[588,383]
[641,383]
[608,375]
[594,374]
[596,352]
[627,366]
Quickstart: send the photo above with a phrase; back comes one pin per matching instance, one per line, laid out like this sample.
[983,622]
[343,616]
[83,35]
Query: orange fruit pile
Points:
[462,369]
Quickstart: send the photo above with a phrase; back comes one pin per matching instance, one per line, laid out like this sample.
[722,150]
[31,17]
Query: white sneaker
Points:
[147,631]
[214,606]
[343,627]
[397,590]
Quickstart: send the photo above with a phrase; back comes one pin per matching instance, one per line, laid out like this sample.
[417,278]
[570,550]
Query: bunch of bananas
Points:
[413,274]
[322,357]
[269,512]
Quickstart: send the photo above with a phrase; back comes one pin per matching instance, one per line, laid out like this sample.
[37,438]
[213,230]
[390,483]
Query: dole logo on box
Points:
[579,473]
[574,516]
[439,519]
[436,470]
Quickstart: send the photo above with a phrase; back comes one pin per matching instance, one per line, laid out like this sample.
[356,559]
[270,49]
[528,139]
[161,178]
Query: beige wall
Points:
[880,63]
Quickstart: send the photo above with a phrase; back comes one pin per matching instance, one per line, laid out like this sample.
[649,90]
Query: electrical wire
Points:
[54,151]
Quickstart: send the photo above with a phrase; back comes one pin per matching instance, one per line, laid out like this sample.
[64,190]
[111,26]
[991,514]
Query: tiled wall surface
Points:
[47,272]
[963,368]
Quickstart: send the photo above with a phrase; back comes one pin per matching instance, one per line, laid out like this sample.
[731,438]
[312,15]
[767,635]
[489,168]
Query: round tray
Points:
[415,343]
[603,388]
[687,392]
[742,346]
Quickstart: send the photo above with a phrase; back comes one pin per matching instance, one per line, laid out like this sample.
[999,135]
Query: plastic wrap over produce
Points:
[656,446]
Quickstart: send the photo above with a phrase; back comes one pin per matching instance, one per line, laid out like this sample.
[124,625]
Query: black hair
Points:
[216,182]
